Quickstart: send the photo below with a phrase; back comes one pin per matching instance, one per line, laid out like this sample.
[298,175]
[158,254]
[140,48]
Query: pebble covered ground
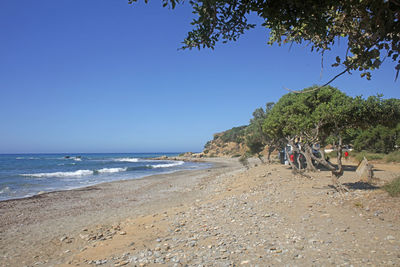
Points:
[264,216]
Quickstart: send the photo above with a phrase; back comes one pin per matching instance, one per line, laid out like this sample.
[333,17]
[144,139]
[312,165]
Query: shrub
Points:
[235,134]
[332,154]
[370,156]
[393,157]
[393,188]
[378,139]
[208,144]
[244,161]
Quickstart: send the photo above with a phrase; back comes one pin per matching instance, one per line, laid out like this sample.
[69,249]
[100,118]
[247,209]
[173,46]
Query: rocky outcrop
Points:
[220,147]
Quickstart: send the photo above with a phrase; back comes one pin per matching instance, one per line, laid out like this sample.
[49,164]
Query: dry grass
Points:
[393,188]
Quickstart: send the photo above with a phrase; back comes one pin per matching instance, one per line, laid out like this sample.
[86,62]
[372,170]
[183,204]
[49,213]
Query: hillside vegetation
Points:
[309,121]
[229,143]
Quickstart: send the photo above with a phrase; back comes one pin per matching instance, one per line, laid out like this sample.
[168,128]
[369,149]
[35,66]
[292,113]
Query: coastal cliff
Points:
[230,143]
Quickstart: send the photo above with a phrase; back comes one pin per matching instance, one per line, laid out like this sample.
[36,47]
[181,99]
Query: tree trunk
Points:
[307,155]
[339,172]
[323,161]
[270,150]
[260,157]
[300,166]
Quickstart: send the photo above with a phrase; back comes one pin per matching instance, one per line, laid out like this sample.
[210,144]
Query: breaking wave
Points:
[111,170]
[127,160]
[168,165]
[59,174]
[101,171]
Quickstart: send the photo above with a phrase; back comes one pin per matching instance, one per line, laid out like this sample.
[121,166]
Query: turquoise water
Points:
[28,174]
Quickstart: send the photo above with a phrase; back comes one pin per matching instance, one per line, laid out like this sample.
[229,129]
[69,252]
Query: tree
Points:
[371,28]
[316,116]
[255,145]
[379,139]
[310,118]
[256,138]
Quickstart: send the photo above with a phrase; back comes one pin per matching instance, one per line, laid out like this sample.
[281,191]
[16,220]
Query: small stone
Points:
[84,237]
[390,237]
[121,263]
[122,233]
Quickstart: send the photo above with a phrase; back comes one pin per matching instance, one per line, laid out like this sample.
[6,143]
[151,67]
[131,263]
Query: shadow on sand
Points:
[360,186]
[346,168]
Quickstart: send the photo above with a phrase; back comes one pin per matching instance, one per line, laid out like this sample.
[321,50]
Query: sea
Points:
[26,175]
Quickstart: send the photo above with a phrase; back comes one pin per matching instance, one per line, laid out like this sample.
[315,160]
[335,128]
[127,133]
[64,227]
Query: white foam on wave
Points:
[112,170]
[127,160]
[168,165]
[5,190]
[77,159]
[59,174]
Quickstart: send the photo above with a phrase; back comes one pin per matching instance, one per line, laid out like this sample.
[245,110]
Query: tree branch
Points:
[319,87]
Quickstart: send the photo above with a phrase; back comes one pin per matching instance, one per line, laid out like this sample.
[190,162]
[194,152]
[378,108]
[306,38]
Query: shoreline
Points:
[175,158]
[47,217]
[226,215]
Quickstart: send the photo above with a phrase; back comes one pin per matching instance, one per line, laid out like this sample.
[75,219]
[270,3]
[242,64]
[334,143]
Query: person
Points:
[346,154]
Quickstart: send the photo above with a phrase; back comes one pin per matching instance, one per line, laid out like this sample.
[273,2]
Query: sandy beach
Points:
[223,216]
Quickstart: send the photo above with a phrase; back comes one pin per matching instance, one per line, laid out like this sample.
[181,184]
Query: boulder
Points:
[365,171]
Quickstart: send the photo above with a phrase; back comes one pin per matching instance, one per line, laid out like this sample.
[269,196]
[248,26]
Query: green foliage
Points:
[393,188]
[256,138]
[393,157]
[331,154]
[207,145]
[244,160]
[379,139]
[314,115]
[255,144]
[370,27]
[323,115]
[236,134]
[359,156]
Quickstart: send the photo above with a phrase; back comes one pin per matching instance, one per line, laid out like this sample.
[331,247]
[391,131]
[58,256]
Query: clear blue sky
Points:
[105,76]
